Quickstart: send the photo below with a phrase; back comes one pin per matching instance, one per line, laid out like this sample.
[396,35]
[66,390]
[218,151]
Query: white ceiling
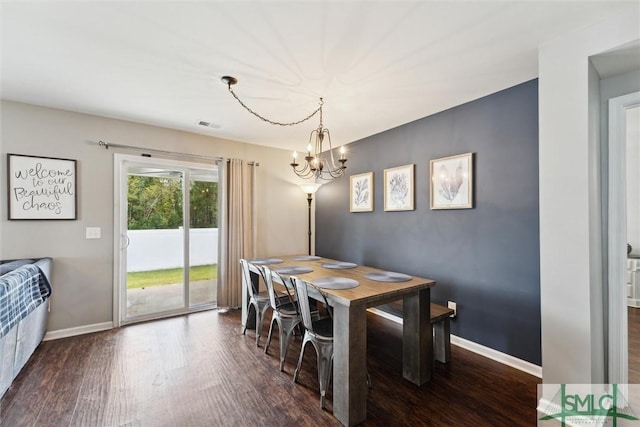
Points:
[378,65]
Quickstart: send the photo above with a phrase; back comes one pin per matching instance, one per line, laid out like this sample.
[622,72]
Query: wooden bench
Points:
[442,336]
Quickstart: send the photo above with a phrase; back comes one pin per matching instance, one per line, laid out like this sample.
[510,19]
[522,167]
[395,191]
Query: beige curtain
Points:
[236,238]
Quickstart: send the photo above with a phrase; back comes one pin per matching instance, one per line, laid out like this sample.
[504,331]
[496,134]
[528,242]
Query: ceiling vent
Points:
[208,124]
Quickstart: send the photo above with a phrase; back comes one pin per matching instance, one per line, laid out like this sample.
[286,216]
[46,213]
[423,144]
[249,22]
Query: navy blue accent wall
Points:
[486,259]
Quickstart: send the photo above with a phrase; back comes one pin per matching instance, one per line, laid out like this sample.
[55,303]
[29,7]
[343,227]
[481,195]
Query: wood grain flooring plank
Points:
[62,398]
[634,344]
[96,385]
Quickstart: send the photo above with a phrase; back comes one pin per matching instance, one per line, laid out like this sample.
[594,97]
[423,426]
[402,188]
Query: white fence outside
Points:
[160,249]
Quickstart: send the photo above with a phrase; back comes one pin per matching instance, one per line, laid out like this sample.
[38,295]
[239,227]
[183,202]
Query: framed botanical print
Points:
[398,188]
[452,182]
[361,192]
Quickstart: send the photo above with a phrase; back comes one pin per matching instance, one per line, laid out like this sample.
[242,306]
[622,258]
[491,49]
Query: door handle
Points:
[127,241]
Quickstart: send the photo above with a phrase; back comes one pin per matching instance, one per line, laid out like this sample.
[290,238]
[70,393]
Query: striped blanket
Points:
[21,291]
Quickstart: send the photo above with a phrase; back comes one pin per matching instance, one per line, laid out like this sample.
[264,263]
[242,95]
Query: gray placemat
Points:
[335,283]
[265,261]
[296,269]
[388,276]
[306,258]
[339,265]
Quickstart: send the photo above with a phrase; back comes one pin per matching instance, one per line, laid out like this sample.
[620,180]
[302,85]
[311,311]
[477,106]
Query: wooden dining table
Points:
[350,324]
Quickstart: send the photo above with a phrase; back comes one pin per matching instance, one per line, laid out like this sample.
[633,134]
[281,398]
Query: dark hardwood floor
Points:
[634,345]
[198,370]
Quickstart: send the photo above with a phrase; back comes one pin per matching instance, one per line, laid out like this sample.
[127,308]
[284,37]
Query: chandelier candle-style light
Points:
[318,163]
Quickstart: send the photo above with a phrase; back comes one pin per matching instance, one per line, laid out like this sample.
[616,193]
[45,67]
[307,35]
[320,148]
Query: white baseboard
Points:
[488,352]
[505,359]
[80,330]
[386,315]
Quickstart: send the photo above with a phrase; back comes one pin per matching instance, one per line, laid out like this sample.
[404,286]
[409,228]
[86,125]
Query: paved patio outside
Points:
[153,299]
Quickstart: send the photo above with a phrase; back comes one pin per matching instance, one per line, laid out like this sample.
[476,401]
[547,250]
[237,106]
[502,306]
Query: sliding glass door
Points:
[168,237]
[203,231]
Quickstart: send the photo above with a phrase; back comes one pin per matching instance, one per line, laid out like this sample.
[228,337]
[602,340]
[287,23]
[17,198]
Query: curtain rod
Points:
[106,146]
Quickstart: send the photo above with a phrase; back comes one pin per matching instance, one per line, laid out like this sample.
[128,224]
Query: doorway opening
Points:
[621,179]
[167,223]
[632,142]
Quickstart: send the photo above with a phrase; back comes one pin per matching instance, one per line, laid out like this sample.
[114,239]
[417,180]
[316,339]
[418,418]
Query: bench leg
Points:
[442,341]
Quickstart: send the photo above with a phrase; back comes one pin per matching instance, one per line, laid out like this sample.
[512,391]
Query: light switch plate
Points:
[93,233]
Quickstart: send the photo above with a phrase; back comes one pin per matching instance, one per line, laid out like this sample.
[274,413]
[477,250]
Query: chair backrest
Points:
[303,302]
[246,277]
[274,300]
[267,276]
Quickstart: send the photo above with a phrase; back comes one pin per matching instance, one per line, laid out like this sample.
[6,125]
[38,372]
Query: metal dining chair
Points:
[285,313]
[318,332]
[258,300]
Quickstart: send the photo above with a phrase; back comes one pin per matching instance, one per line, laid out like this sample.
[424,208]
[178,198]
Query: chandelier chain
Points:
[316,164]
[319,109]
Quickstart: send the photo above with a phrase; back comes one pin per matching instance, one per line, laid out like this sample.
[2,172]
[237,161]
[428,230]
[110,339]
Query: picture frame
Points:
[361,192]
[451,182]
[41,188]
[399,188]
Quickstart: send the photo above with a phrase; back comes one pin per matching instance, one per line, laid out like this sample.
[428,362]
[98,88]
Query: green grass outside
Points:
[143,279]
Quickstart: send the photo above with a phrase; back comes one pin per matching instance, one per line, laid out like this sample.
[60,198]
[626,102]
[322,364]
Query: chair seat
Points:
[323,327]
[288,309]
[264,295]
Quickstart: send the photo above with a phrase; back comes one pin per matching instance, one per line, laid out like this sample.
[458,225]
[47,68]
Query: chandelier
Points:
[317,163]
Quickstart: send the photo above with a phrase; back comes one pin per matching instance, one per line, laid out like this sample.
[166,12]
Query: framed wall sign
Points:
[452,182]
[41,187]
[398,188]
[361,192]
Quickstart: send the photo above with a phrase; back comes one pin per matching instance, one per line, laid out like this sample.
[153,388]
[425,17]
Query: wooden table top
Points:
[369,292]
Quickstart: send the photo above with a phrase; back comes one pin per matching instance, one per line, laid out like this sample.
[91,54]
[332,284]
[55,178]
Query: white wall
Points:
[570,239]
[159,249]
[82,271]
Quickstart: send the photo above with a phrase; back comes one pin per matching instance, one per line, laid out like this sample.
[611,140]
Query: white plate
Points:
[335,283]
[340,265]
[388,276]
[297,269]
[265,261]
[306,258]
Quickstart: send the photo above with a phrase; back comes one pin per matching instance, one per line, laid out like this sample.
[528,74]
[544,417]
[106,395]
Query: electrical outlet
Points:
[452,305]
